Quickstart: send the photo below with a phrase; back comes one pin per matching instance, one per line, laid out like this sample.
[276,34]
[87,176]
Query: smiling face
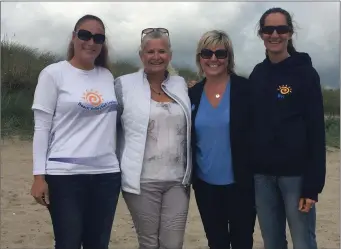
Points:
[87,50]
[276,33]
[155,55]
[214,54]
[214,60]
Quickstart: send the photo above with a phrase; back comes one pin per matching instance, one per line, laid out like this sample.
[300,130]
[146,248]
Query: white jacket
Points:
[133,95]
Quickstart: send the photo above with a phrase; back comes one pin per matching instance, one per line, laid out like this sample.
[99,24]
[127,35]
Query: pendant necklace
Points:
[217,96]
[159,93]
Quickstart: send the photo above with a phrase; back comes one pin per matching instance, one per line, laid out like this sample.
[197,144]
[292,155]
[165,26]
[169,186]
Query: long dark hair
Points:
[291,49]
[102,59]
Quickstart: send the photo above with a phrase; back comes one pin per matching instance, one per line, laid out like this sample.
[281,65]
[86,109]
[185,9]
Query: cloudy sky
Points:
[48,26]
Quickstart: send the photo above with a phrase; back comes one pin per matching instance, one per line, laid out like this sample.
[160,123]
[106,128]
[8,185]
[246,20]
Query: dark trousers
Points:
[82,209]
[227,213]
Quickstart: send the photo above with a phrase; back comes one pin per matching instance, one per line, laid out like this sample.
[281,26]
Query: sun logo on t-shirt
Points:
[93,98]
[284,89]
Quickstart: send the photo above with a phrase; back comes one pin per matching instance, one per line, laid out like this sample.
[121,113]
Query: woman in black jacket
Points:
[222,181]
[288,142]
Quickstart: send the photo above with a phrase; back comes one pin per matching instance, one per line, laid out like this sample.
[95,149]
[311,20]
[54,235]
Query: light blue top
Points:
[212,127]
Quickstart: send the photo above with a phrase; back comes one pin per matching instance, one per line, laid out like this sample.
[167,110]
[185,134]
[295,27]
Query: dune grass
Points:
[21,65]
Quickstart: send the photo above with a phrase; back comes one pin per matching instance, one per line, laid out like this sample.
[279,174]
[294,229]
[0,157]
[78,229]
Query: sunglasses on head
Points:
[86,35]
[219,54]
[282,29]
[150,30]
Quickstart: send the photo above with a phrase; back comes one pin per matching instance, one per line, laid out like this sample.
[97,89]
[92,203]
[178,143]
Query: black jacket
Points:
[288,137]
[239,127]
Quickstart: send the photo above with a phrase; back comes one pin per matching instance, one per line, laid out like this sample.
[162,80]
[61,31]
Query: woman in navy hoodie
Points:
[288,142]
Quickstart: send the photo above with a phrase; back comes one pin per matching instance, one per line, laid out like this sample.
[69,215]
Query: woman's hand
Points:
[40,190]
[305,204]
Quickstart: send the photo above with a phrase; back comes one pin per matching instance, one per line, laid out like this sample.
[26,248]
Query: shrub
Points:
[332,125]
[21,65]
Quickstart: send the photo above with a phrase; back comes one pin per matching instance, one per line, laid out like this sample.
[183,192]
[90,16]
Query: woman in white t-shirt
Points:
[76,171]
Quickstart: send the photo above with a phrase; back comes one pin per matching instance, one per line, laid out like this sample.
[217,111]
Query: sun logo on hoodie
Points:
[284,90]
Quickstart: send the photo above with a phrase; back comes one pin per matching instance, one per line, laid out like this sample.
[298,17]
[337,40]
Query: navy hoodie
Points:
[288,134]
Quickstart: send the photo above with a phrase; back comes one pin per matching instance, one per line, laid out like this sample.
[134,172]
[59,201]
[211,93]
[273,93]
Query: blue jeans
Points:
[82,209]
[277,199]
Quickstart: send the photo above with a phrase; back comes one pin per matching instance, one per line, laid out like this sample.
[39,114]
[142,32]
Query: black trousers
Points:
[228,214]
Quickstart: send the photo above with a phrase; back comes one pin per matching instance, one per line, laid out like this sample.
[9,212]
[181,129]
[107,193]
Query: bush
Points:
[332,125]
[21,65]
[331,101]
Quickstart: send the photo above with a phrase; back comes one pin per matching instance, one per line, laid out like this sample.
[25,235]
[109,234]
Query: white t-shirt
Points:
[82,137]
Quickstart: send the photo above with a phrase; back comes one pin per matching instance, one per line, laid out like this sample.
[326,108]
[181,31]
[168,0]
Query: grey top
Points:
[165,151]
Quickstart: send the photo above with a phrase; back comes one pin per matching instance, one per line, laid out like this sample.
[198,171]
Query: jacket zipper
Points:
[188,132]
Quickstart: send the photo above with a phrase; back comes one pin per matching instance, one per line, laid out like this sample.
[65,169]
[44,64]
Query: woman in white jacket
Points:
[155,145]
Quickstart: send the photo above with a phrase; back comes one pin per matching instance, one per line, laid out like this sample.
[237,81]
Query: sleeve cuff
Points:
[310,195]
[37,173]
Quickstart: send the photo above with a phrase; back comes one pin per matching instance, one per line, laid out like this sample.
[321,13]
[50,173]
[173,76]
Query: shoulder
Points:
[314,73]
[303,66]
[104,72]
[196,86]
[177,78]
[178,81]
[196,89]
[125,83]
[311,78]
[54,68]
[240,81]
[257,68]
[50,76]
[128,78]
[309,68]
[176,84]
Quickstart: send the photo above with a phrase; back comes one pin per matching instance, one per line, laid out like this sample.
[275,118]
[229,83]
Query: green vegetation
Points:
[333,131]
[331,101]
[20,67]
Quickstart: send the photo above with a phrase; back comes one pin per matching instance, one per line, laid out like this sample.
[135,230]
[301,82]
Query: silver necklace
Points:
[217,96]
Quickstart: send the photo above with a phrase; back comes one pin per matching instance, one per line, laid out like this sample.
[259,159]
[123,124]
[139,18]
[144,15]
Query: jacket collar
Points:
[167,76]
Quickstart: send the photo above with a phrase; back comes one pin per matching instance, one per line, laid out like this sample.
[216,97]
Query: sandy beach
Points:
[25,224]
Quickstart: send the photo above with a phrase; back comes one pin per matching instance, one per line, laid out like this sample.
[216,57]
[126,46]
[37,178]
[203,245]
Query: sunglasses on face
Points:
[219,54]
[282,29]
[150,30]
[86,35]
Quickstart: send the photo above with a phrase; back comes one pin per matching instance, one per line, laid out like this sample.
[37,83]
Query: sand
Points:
[25,224]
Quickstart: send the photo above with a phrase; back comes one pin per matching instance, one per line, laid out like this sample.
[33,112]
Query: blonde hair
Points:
[171,70]
[155,35]
[215,38]
[158,35]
